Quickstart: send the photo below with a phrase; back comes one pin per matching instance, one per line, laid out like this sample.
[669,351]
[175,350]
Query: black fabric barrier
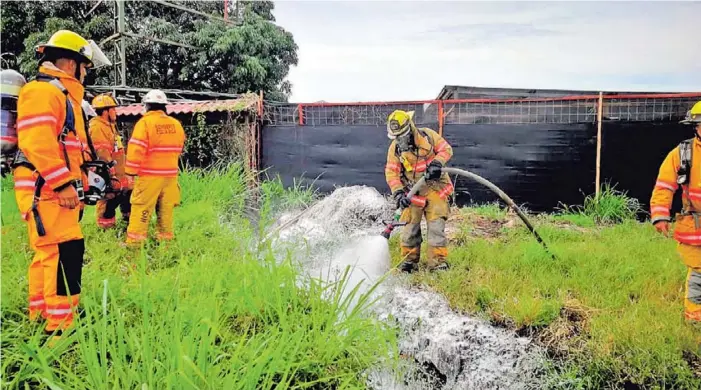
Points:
[632,152]
[537,165]
[329,155]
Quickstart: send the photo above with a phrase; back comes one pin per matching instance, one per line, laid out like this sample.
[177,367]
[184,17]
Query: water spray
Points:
[461,172]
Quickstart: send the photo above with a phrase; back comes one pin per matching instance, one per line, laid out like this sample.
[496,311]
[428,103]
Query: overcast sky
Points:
[397,50]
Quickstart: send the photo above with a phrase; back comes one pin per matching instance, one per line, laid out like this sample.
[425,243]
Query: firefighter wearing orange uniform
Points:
[109,148]
[48,177]
[413,153]
[153,153]
[676,170]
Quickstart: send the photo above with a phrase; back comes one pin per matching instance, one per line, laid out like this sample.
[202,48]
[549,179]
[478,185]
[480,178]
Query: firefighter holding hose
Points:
[48,174]
[413,153]
[681,167]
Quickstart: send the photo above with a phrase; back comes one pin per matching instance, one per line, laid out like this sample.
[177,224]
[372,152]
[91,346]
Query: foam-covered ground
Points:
[443,349]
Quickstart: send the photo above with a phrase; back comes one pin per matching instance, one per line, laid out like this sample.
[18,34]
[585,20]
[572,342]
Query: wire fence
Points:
[565,110]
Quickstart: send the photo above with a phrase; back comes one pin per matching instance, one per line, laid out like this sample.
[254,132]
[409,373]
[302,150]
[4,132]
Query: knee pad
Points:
[70,267]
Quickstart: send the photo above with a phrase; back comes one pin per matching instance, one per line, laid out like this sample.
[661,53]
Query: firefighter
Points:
[10,84]
[677,170]
[108,146]
[48,177]
[153,153]
[413,153]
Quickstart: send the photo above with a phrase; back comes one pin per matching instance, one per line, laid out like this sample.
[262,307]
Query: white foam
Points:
[342,231]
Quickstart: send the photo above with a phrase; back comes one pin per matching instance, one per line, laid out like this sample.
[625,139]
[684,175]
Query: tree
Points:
[254,55]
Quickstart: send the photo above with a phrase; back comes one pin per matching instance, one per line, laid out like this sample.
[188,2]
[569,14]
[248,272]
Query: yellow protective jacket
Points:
[404,170]
[155,146]
[108,144]
[41,112]
[686,231]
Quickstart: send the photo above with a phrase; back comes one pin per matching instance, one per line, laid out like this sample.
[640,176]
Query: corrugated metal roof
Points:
[192,107]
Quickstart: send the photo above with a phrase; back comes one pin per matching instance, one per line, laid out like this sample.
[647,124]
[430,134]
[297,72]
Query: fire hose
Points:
[461,172]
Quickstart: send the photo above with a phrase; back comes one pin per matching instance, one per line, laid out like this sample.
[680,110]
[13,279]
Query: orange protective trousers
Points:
[56,268]
[151,193]
[691,256]
[436,211]
[106,210]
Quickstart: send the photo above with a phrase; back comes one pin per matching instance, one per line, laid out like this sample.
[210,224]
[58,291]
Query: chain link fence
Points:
[567,110]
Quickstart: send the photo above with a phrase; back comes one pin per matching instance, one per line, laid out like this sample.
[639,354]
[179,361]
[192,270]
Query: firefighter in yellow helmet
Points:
[413,153]
[682,167]
[153,153]
[48,177]
[108,146]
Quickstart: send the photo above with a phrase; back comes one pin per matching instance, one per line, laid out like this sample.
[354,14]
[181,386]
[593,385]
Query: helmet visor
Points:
[394,129]
[99,59]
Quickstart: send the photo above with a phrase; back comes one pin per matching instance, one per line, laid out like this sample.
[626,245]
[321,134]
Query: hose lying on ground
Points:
[496,190]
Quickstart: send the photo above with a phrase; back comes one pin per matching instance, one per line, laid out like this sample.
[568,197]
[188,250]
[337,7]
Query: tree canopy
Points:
[252,55]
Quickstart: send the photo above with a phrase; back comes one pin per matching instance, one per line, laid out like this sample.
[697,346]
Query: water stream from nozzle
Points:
[442,349]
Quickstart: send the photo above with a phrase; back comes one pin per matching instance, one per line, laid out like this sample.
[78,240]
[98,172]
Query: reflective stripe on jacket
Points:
[41,113]
[686,231]
[155,146]
[402,172]
[107,143]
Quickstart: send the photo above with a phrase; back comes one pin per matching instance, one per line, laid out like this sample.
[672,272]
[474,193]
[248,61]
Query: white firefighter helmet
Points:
[155,96]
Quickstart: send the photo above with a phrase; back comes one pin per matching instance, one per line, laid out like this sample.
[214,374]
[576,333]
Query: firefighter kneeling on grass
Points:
[49,176]
[153,153]
[109,148]
[413,153]
[683,167]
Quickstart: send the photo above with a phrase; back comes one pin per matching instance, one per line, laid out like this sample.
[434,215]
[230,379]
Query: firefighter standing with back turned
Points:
[109,148]
[412,153]
[154,149]
[682,166]
[48,177]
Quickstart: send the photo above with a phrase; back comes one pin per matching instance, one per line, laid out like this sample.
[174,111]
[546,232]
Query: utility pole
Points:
[122,43]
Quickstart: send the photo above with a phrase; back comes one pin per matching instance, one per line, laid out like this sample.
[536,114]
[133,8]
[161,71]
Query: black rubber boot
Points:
[408,266]
[444,266]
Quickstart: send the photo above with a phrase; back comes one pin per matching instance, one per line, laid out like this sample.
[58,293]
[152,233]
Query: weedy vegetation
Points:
[608,310]
[207,311]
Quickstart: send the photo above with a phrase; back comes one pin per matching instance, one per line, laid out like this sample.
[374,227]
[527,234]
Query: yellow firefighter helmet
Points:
[86,50]
[103,101]
[693,116]
[399,123]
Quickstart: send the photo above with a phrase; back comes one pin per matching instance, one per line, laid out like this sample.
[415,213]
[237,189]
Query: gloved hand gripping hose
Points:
[494,189]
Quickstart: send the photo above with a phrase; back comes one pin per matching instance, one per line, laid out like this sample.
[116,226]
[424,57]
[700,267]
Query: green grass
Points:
[206,312]
[611,206]
[609,309]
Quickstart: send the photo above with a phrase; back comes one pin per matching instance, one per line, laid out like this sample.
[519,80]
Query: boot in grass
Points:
[408,266]
[444,266]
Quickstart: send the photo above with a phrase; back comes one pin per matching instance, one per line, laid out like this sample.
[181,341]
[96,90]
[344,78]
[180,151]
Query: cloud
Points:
[364,51]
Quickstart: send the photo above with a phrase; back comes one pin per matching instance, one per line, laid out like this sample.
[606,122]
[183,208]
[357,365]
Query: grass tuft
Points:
[610,207]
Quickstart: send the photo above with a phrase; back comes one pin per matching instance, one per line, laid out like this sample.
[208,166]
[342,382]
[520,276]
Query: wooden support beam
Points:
[599,116]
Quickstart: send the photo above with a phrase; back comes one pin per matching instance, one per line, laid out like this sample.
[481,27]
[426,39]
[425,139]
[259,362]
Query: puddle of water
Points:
[441,349]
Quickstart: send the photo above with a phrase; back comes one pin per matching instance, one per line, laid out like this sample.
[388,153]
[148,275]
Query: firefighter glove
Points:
[435,168]
[401,200]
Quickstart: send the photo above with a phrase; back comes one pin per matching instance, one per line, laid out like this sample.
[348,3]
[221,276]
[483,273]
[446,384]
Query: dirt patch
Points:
[464,225]
[562,337]
[694,362]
